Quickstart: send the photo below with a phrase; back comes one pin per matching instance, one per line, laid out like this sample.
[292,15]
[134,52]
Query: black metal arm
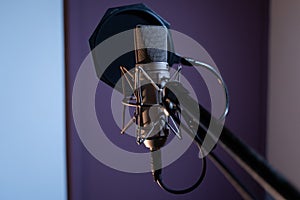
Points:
[260,170]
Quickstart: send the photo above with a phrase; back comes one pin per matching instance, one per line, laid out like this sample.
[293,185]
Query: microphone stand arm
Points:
[254,164]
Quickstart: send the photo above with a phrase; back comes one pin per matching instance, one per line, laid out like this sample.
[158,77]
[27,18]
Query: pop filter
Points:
[117,20]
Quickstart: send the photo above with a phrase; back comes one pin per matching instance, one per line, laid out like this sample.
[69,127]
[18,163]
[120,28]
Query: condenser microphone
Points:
[151,74]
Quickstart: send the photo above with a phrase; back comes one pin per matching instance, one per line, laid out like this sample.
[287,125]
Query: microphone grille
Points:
[151,44]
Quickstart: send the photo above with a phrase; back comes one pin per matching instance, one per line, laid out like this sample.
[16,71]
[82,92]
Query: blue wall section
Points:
[32,136]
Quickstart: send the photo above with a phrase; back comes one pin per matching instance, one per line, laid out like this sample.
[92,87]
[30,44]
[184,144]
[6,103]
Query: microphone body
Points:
[152,73]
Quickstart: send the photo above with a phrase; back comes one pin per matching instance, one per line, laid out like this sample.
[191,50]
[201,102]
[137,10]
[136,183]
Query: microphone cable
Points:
[157,175]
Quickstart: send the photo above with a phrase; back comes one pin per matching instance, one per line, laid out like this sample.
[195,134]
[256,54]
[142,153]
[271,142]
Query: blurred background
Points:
[255,45]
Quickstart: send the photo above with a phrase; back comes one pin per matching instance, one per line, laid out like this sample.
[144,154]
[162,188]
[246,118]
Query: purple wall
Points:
[235,34]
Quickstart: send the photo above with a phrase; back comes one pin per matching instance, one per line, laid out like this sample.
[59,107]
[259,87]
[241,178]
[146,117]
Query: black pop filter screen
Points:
[115,21]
